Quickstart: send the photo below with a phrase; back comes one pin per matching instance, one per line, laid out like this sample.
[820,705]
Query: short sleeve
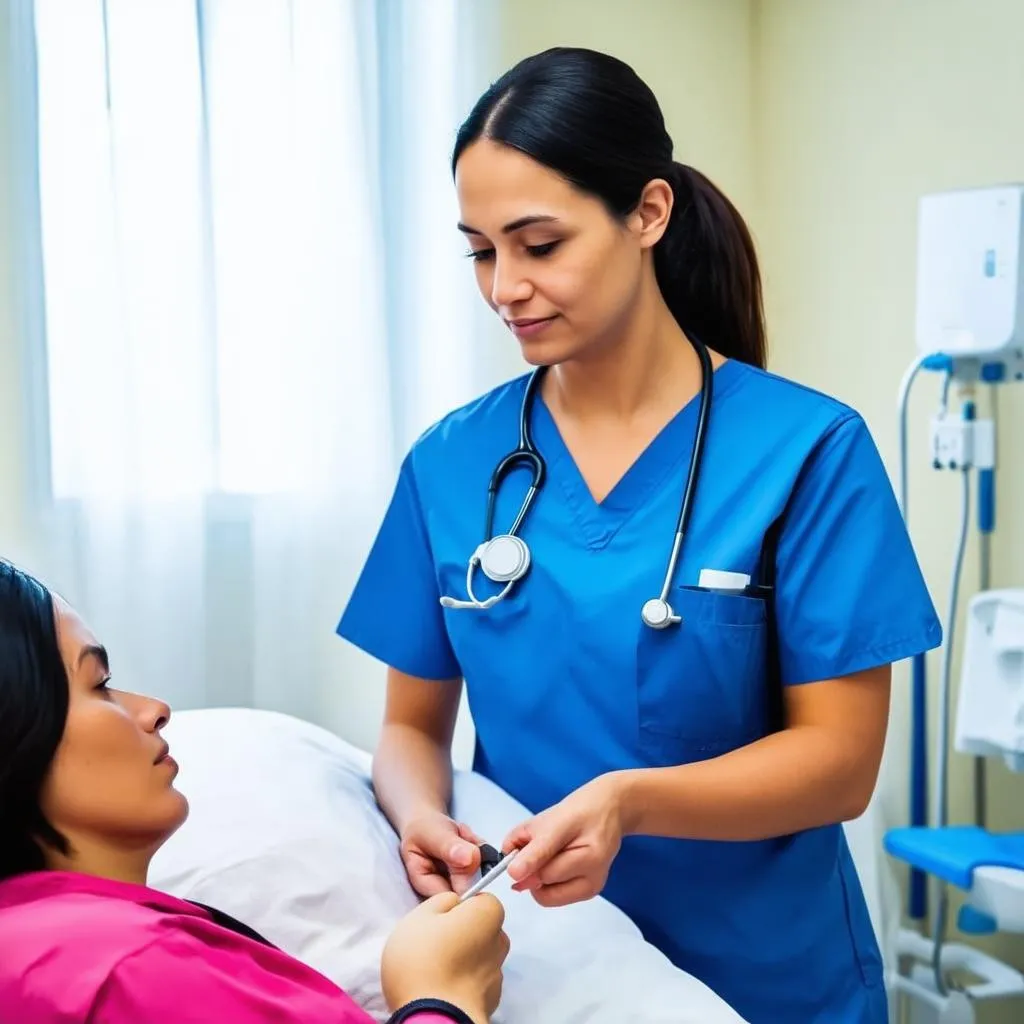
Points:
[394,612]
[850,594]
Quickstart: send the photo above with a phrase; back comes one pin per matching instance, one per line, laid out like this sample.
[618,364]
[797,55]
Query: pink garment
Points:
[75,949]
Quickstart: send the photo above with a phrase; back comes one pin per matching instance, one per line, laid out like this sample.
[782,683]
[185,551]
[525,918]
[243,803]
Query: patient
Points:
[87,797]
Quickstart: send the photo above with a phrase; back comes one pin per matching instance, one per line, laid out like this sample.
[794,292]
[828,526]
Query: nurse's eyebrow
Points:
[96,651]
[515,225]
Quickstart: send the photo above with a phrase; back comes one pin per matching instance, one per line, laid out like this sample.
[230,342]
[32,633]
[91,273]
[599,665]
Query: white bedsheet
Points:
[285,835]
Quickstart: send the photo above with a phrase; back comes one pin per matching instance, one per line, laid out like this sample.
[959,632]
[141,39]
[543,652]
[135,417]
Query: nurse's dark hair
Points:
[33,709]
[590,118]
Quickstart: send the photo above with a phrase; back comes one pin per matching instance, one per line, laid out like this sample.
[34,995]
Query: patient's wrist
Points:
[427,1011]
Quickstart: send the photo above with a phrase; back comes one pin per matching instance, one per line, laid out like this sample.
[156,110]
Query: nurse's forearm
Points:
[793,780]
[412,774]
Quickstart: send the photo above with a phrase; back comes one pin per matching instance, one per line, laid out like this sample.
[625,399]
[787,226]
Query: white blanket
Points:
[285,835]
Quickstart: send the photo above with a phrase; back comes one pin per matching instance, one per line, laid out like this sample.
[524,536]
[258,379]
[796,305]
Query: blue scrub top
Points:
[565,682]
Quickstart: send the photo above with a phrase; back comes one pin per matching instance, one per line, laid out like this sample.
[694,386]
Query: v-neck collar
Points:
[668,453]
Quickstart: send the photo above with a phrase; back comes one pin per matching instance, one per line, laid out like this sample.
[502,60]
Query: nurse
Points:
[697,774]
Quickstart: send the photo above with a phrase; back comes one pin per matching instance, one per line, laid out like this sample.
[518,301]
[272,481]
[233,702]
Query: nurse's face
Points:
[559,270]
[110,784]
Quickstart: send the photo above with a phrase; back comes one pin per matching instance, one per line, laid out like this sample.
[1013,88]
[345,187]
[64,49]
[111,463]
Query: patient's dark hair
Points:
[590,118]
[33,709]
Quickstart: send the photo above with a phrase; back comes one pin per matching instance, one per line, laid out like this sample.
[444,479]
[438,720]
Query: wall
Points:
[862,107]
[695,54]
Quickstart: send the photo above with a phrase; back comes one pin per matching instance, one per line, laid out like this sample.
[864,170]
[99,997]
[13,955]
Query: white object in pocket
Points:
[719,579]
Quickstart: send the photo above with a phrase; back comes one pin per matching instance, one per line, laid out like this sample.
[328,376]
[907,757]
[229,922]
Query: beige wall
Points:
[697,56]
[862,107]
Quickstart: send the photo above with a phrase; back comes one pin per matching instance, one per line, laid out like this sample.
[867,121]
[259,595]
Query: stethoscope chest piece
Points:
[658,614]
[503,559]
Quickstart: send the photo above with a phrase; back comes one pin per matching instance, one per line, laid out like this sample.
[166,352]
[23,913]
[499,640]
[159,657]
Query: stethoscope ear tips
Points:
[658,614]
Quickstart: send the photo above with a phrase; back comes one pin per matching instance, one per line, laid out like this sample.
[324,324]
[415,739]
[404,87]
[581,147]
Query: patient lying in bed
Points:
[282,833]
[296,846]
[87,797]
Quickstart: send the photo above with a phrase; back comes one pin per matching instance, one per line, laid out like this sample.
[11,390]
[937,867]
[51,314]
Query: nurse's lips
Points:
[529,327]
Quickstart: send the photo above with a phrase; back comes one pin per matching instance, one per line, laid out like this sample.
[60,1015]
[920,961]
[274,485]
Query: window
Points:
[213,253]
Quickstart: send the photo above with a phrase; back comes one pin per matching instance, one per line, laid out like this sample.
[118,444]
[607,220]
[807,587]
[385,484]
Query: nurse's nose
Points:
[509,286]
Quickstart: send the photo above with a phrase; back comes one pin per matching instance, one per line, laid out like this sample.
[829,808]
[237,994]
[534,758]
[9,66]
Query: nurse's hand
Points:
[439,854]
[567,850]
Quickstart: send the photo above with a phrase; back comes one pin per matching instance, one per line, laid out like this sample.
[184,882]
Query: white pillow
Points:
[285,835]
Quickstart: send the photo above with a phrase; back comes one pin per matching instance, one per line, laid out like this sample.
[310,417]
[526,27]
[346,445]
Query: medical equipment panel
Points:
[970,284]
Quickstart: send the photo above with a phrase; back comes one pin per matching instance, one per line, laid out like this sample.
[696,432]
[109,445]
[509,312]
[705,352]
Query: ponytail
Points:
[707,270]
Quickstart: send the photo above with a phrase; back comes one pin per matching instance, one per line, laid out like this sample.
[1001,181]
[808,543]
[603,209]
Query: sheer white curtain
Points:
[253,300]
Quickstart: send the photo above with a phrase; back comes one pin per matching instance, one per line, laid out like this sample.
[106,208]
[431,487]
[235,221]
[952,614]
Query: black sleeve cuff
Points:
[403,1013]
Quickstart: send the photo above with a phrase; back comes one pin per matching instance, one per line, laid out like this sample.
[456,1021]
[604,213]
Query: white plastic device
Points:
[958,443]
[995,980]
[990,723]
[990,705]
[970,274]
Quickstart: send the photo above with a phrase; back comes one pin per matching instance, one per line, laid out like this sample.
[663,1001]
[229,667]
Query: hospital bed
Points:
[284,834]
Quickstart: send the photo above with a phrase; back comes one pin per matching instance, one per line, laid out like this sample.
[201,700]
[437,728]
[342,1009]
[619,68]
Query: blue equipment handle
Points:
[986,500]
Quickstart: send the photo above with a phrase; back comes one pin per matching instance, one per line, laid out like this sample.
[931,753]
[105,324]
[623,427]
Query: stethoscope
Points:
[506,558]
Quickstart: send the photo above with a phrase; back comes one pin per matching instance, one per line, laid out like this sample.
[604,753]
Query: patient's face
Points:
[109,784]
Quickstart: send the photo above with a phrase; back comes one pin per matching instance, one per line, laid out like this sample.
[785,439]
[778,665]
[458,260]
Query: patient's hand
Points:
[445,950]
[440,855]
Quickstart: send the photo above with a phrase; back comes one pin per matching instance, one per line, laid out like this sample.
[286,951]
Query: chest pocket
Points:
[702,684]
